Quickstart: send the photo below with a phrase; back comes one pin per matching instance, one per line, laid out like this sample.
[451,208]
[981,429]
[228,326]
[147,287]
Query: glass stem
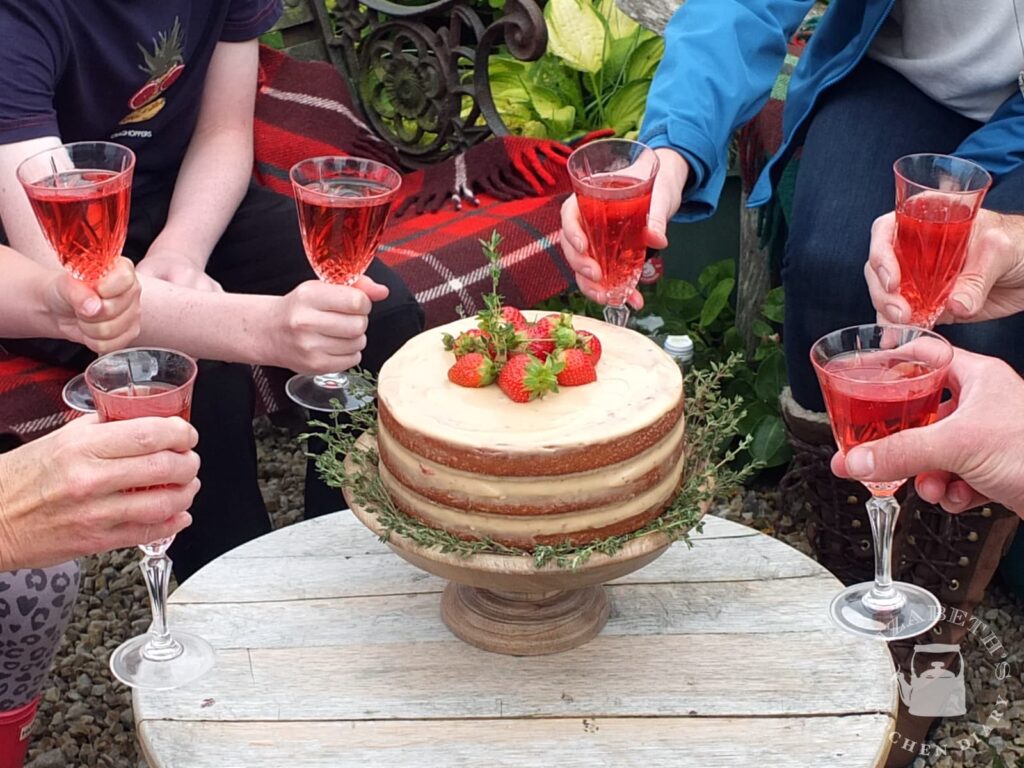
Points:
[883,597]
[156,569]
[616,315]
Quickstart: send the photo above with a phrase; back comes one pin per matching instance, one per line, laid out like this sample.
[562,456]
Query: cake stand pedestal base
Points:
[524,623]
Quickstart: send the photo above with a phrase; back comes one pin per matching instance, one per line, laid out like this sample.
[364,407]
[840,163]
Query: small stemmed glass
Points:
[878,380]
[131,384]
[613,180]
[343,204]
[81,195]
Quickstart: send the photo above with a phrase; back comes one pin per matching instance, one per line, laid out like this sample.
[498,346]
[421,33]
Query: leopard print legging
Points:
[35,607]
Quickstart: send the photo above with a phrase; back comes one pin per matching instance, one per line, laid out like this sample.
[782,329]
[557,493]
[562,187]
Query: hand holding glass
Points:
[80,194]
[343,204]
[128,385]
[613,180]
[937,200]
[878,380]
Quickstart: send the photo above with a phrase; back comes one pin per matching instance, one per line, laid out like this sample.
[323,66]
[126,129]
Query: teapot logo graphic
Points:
[936,692]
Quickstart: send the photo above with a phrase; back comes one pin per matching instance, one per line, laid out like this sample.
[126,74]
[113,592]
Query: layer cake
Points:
[583,463]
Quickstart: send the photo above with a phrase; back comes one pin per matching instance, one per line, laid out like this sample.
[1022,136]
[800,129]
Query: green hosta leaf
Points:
[618,55]
[771,376]
[619,24]
[645,59]
[769,446]
[716,301]
[625,109]
[576,34]
[774,306]
[550,72]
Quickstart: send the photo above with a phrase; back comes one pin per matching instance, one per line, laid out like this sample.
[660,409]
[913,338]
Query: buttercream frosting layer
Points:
[526,531]
[520,495]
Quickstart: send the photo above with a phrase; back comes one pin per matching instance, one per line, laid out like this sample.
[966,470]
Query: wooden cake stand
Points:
[506,604]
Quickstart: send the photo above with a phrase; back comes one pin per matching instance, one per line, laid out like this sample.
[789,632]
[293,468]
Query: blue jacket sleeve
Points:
[998,145]
[721,60]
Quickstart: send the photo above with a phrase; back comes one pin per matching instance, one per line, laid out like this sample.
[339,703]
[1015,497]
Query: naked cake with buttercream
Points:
[583,463]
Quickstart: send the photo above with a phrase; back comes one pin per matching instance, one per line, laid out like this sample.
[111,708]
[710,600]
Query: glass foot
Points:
[130,665]
[914,611]
[76,395]
[317,392]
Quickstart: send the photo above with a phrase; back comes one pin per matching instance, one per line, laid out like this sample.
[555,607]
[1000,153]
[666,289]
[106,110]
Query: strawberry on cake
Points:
[555,429]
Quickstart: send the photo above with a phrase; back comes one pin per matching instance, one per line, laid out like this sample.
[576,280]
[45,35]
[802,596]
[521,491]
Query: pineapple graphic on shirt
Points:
[164,66]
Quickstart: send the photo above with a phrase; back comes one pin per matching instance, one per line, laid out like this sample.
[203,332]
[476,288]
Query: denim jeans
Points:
[844,182]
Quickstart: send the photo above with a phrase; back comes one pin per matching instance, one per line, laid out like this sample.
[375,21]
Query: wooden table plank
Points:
[812,673]
[750,607]
[368,567]
[836,742]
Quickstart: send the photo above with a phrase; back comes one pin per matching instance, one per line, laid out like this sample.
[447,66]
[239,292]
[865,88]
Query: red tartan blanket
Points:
[512,185]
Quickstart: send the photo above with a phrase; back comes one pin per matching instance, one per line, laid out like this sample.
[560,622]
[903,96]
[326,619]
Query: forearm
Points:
[24,311]
[214,326]
[212,182]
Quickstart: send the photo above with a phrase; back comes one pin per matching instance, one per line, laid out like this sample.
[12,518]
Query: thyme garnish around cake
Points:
[712,419]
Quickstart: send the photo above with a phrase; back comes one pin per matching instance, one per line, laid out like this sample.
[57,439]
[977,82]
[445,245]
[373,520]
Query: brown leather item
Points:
[952,556]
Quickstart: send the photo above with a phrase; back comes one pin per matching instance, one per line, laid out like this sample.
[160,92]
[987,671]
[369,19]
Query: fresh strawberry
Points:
[473,340]
[515,318]
[590,344]
[472,370]
[577,368]
[542,335]
[524,378]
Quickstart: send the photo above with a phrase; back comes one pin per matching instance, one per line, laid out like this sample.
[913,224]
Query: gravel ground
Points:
[86,720]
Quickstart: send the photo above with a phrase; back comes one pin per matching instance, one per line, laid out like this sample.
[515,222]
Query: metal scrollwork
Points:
[420,71]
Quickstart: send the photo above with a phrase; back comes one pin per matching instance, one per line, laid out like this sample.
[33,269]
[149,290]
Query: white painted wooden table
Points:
[331,653]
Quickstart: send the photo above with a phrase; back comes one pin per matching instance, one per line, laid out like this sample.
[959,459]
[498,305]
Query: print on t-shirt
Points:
[164,65]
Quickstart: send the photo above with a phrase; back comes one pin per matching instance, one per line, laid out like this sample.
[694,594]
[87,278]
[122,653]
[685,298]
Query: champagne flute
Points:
[343,204]
[131,384]
[81,194]
[937,200]
[613,180]
[878,380]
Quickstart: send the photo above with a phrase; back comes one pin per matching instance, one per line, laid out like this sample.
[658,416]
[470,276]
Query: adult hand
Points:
[990,286]
[665,201]
[965,459]
[103,316]
[321,328]
[64,495]
[178,268]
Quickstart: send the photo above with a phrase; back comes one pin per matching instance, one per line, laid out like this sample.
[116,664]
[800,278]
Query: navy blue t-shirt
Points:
[130,71]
